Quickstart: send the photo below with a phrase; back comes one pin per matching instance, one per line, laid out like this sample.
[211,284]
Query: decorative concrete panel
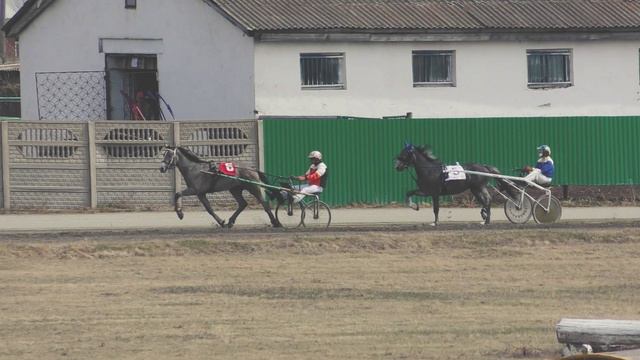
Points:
[134,199]
[48,178]
[121,177]
[50,163]
[48,200]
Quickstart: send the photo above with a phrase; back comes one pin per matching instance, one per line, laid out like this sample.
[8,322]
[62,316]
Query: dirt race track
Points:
[459,291]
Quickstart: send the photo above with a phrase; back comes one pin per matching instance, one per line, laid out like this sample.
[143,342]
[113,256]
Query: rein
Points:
[267,174]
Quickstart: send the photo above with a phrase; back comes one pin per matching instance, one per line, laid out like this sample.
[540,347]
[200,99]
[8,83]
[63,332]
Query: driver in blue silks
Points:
[542,173]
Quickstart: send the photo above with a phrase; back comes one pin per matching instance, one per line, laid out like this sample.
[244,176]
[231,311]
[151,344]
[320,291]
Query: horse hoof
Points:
[434,224]
[180,214]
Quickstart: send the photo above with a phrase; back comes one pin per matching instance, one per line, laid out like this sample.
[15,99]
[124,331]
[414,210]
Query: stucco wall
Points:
[491,81]
[205,63]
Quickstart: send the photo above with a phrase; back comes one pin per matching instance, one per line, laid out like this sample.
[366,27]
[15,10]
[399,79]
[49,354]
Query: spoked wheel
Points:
[316,215]
[518,213]
[290,219]
[542,216]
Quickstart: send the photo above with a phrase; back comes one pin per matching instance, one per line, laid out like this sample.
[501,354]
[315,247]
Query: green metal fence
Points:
[360,152]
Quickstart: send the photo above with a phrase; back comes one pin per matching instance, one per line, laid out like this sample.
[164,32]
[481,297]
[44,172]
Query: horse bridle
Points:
[406,162]
[174,157]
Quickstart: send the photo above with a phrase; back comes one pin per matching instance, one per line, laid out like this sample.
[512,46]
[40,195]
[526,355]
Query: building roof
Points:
[450,15]
[286,16]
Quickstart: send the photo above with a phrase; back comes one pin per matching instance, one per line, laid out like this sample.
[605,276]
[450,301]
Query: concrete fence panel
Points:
[4,164]
[109,164]
[48,165]
[128,156]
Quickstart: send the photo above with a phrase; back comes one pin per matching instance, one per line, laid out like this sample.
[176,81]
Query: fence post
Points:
[4,143]
[260,141]
[91,147]
[176,142]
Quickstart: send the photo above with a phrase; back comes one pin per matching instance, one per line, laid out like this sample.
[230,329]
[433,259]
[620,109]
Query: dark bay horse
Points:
[200,184]
[431,179]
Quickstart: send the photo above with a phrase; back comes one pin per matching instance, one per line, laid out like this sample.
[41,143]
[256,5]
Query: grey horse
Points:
[200,184]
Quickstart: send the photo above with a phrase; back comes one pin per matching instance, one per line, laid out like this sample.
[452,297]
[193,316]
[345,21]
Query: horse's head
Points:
[406,158]
[169,159]
[411,154]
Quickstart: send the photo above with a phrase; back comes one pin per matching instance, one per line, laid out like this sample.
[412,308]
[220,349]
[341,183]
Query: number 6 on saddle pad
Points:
[228,168]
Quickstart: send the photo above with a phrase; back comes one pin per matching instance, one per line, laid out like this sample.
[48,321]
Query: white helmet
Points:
[543,148]
[315,154]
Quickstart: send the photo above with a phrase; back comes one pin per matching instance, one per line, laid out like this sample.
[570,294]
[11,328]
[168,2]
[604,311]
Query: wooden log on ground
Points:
[618,355]
[600,334]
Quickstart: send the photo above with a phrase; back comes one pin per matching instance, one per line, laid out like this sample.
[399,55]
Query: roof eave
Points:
[407,35]
[27,13]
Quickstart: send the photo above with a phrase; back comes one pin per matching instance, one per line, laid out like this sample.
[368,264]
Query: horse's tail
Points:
[273,194]
[502,184]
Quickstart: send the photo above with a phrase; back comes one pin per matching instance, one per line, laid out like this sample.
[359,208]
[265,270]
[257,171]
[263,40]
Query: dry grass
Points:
[435,295]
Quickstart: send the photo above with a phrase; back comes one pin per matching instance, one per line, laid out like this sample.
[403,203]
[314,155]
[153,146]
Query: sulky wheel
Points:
[292,219]
[518,213]
[317,215]
[542,216]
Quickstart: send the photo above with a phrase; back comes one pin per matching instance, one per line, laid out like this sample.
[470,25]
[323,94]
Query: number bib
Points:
[454,172]
[228,168]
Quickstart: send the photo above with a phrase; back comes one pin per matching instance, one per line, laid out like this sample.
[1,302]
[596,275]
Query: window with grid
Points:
[549,68]
[433,68]
[322,71]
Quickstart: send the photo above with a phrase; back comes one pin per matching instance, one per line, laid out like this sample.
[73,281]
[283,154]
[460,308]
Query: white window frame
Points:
[341,71]
[451,68]
[567,53]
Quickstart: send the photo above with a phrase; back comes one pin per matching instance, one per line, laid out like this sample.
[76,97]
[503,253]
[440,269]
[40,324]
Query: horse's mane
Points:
[426,152]
[191,155]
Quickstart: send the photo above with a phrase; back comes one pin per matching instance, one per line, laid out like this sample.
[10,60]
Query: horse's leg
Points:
[436,208]
[257,193]
[483,196]
[409,200]
[205,202]
[178,200]
[242,204]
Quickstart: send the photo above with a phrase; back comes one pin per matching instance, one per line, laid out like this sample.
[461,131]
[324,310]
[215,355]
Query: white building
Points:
[225,59]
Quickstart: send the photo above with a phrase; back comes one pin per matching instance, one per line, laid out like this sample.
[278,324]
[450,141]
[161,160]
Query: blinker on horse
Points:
[200,184]
[431,180]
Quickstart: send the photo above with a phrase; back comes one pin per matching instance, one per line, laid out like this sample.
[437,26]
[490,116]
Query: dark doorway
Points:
[132,82]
